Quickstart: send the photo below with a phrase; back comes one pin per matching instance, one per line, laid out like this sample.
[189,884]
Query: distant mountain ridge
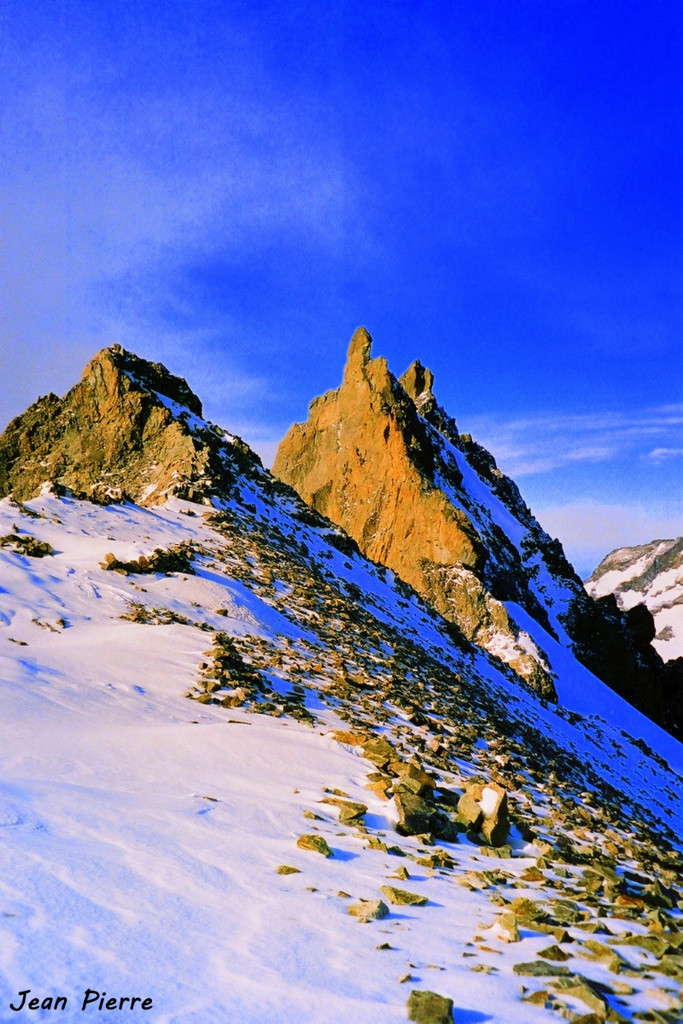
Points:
[652,574]
[380,457]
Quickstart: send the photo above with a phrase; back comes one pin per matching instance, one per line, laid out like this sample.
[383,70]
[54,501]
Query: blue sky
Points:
[493,187]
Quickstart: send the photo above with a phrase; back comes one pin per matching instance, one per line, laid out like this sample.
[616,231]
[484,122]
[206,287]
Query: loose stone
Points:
[315,843]
[426,1007]
[368,910]
[403,898]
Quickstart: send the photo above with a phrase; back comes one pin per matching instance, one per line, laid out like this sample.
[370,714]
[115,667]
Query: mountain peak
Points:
[128,429]
[369,459]
[384,461]
[107,365]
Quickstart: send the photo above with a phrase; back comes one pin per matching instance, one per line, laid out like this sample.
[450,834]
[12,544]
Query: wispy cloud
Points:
[103,196]
[590,530]
[96,202]
[544,443]
[659,455]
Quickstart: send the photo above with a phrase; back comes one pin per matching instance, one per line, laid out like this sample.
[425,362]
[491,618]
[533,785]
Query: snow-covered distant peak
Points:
[651,574]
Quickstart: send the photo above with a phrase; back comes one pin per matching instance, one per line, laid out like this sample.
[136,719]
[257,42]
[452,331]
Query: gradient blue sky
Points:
[493,187]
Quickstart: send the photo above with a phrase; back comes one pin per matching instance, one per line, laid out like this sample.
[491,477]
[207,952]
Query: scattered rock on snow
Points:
[483,806]
[403,898]
[368,910]
[25,544]
[379,751]
[401,872]
[469,809]
[350,812]
[426,1007]
[414,814]
[506,925]
[581,988]
[315,843]
[539,969]
[555,953]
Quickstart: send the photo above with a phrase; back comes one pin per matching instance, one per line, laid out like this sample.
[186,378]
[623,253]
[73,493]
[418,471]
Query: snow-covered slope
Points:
[203,698]
[142,832]
[652,574]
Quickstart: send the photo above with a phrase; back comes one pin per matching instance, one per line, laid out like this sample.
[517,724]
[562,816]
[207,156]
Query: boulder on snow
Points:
[368,910]
[403,898]
[414,814]
[379,751]
[426,1007]
[483,806]
[315,843]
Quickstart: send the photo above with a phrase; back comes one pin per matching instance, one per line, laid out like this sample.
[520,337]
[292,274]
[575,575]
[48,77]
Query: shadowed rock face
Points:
[129,429]
[380,458]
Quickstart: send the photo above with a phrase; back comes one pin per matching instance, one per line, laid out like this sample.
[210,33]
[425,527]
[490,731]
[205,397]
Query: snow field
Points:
[140,833]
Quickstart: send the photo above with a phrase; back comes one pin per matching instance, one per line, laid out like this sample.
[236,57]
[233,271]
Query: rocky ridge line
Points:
[379,457]
[129,430]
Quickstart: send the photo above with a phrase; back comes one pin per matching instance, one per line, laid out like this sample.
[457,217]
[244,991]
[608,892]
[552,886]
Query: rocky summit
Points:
[225,730]
[381,459]
[129,430]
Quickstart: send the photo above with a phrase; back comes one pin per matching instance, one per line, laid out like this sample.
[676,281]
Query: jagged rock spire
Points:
[383,460]
[417,381]
[368,460]
[360,348]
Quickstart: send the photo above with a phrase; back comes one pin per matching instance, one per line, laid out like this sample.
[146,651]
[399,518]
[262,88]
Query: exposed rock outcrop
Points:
[368,460]
[380,458]
[128,429]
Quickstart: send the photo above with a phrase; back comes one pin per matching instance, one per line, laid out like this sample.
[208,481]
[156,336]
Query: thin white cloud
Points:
[100,204]
[590,530]
[532,445]
[658,455]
